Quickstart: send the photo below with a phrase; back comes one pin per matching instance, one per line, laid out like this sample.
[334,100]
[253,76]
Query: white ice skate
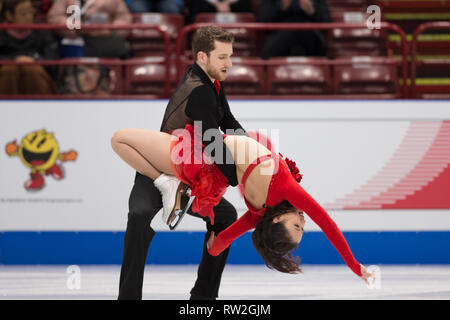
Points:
[172,190]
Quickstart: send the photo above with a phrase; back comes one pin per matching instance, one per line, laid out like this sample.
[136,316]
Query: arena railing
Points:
[110,62]
[183,35]
[438,25]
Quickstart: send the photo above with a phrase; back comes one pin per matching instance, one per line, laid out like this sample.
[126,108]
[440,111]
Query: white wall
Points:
[338,146]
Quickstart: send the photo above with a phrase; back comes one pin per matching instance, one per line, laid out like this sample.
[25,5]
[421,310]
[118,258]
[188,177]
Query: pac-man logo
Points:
[39,151]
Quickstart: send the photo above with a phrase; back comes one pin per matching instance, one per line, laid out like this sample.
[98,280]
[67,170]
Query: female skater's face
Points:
[294,223]
[218,62]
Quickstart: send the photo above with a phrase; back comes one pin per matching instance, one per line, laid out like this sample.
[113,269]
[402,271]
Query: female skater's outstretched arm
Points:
[300,199]
[218,244]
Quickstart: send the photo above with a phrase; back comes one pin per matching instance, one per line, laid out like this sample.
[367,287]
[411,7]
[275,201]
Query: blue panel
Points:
[61,247]
[186,248]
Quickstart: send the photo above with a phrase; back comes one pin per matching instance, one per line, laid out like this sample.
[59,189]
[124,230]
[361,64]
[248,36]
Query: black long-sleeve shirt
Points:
[205,6]
[270,11]
[40,45]
[196,99]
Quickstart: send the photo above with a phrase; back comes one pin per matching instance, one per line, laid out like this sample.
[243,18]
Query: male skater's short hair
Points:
[204,38]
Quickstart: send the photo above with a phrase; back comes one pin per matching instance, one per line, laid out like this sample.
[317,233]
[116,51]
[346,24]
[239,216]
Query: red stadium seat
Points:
[148,77]
[355,42]
[308,76]
[366,75]
[245,40]
[244,78]
[150,42]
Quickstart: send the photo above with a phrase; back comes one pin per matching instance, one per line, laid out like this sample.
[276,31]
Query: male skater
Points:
[199,97]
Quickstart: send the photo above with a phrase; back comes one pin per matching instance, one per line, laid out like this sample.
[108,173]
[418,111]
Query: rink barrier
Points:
[182,247]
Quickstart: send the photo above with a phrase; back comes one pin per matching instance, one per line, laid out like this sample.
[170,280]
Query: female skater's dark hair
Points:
[273,242]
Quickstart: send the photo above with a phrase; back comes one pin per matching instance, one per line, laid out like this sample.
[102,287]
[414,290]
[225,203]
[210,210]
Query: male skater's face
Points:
[219,61]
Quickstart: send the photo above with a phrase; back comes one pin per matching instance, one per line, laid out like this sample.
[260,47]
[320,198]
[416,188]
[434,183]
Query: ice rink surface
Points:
[239,282]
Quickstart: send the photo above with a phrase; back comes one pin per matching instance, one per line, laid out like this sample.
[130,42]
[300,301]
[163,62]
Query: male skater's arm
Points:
[230,122]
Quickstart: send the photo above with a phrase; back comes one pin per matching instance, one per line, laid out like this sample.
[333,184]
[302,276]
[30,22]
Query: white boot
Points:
[171,190]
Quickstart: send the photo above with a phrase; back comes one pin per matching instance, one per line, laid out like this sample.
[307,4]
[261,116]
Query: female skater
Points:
[271,192]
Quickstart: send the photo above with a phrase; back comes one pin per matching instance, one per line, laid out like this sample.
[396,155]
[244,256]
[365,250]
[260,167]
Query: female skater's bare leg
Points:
[147,151]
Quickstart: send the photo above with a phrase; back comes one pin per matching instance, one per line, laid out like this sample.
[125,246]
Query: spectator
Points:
[97,43]
[294,43]
[42,7]
[162,6]
[25,46]
[201,6]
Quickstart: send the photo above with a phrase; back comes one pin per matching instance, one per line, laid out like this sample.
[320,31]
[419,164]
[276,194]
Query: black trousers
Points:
[145,201]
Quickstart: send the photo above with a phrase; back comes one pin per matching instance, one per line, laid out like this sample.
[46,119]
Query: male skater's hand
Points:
[211,239]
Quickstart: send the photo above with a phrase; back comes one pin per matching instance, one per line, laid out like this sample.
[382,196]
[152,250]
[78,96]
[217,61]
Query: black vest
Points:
[175,116]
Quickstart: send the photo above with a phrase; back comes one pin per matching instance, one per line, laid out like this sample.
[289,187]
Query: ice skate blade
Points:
[177,215]
[181,190]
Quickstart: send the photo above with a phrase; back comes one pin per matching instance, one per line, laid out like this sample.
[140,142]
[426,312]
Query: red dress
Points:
[284,185]
[191,166]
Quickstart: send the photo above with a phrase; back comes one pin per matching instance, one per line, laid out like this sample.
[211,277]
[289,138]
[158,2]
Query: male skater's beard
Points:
[215,73]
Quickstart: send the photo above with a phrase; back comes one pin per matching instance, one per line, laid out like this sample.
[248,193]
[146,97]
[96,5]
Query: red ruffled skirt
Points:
[191,166]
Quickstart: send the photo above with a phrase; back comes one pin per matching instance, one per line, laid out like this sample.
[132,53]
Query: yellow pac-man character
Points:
[39,151]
